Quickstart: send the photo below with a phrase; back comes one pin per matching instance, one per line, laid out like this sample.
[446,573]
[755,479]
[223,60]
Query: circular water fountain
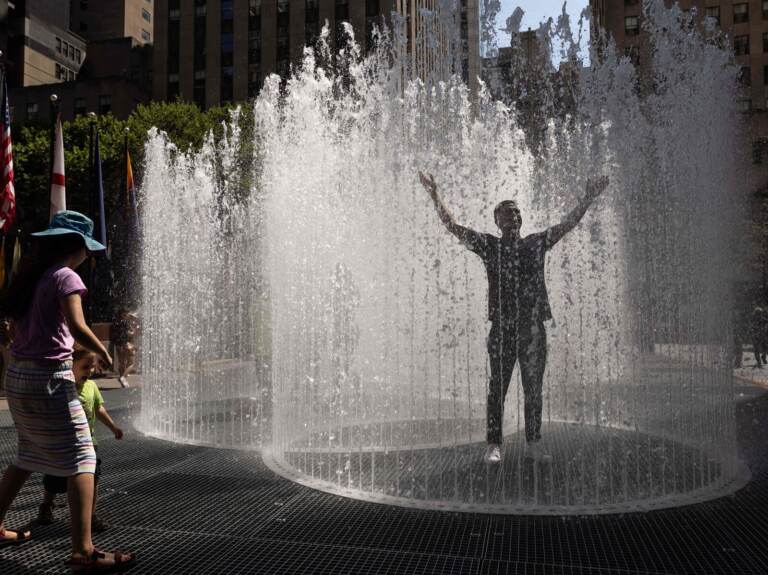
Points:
[325,315]
[204,339]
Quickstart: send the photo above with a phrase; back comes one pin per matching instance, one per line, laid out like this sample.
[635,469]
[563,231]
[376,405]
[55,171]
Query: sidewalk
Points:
[106,384]
[750,373]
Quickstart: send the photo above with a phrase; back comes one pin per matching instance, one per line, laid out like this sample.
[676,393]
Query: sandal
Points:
[101,562]
[21,537]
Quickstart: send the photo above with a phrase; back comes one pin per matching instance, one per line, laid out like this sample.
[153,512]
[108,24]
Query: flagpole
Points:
[129,186]
[91,170]
[54,116]
[120,240]
[92,210]
[2,73]
[125,156]
[124,174]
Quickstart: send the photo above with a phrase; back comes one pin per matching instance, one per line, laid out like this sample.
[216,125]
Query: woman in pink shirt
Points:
[54,437]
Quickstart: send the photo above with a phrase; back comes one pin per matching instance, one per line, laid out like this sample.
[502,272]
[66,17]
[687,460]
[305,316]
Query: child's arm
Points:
[103,416]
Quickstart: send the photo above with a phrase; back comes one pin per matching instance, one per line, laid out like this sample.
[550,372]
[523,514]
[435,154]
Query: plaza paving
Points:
[188,509]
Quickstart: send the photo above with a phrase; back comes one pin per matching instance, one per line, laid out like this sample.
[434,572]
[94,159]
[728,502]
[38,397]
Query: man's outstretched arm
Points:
[594,189]
[464,234]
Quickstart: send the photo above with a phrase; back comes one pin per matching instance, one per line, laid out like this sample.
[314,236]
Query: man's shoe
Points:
[493,453]
[534,450]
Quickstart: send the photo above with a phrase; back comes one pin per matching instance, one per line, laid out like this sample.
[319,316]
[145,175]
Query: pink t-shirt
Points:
[43,332]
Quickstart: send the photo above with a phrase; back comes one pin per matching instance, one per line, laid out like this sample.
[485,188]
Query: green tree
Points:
[185,124]
[32,168]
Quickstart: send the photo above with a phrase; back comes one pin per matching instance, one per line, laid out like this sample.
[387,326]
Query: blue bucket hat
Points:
[69,222]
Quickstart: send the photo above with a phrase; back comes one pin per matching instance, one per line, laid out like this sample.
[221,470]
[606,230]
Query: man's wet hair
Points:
[506,204]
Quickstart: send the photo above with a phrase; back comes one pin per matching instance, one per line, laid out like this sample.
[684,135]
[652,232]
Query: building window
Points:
[254,77]
[740,13]
[227,11]
[80,107]
[173,46]
[254,47]
[227,42]
[283,68]
[198,93]
[765,9]
[58,45]
[632,53]
[146,36]
[745,76]
[311,22]
[342,16]
[372,9]
[71,52]
[227,48]
[78,55]
[283,37]
[713,12]
[174,37]
[741,45]
[146,15]
[631,2]
[199,53]
[83,26]
[31,110]
[105,104]
[227,83]
[631,25]
[63,73]
[342,10]
[173,86]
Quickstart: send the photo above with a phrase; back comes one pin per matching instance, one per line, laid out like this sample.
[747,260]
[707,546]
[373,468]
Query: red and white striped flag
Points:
[58,181]
[8,194]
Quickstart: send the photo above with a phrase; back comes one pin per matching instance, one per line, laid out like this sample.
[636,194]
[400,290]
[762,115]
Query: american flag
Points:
[8,195]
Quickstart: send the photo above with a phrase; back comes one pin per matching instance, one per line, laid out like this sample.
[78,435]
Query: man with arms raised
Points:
[518,306]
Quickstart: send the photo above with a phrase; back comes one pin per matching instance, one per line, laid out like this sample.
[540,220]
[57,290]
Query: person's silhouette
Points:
[518,306]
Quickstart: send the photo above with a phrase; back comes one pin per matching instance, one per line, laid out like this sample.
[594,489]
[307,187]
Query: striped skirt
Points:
[54,437]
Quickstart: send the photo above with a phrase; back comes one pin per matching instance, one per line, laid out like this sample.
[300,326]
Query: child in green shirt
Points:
[84,363]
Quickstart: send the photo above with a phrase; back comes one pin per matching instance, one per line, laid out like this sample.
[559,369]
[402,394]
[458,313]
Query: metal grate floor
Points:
[197,510]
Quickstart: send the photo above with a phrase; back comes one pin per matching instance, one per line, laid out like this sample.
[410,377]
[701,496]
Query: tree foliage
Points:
[185,124]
